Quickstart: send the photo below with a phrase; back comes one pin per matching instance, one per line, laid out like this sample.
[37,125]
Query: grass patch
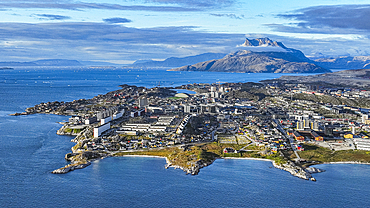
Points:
[68,130]
[320,154]
[207,152]
[76,131]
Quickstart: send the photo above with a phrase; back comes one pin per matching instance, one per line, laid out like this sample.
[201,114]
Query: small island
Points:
[294,125]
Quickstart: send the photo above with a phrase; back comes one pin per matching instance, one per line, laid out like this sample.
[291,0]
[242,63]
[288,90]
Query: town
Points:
[258,120]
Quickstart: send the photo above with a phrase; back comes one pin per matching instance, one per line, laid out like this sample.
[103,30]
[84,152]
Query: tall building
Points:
[315,125]
[300,125]
[306,124]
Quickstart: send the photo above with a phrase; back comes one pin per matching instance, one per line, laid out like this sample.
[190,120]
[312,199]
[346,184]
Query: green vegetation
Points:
[68,130]
[76,131]
[277,158]
[207,152]
[361,102]
[232,155]
[320,154]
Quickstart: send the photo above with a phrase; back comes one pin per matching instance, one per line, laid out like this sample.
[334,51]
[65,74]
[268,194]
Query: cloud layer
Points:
[161,5]
[337,19]
[117,20]
[111,40]
[101,41]
[51,17]
[103,6]
[232,16]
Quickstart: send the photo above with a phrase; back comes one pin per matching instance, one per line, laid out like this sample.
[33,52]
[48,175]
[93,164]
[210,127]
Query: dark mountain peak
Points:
[263,42]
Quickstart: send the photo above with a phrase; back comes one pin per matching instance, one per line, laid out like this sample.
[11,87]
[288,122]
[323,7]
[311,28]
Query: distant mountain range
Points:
[271,57]
[177,62]
[359,78]
[260,55]
[44,62]
[56,62]
[345,62]
[256,55]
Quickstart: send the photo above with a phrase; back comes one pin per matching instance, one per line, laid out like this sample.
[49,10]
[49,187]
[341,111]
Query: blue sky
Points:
[122,31]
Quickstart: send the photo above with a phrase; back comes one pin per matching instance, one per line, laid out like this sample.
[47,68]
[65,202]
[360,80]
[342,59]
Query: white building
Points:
[362,144]
[105,120]
[99,130]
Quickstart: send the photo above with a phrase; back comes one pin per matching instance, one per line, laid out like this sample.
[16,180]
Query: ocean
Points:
[30,150]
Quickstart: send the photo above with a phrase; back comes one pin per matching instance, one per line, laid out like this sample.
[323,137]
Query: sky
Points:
[123,31]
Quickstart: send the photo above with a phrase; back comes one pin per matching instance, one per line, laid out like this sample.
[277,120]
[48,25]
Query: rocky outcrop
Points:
[297,171]
[79,161]
[193,168]
[71,167]
[262,42]
[312,170]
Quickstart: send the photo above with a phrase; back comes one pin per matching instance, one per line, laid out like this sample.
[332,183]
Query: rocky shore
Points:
[79,161]
[71,167]
[295,170]
[194,168]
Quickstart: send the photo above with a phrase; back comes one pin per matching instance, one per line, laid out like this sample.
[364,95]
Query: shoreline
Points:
[346,162]
[226,158]
[200,164]
[150,156]
[247,158]
[303,173]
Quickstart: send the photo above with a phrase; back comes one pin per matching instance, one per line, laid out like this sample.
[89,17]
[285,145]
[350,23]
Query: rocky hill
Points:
[273,58]
[344,62]
[349,78]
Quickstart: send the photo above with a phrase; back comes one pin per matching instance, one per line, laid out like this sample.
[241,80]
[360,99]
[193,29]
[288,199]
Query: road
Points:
[252,142]
[280,128]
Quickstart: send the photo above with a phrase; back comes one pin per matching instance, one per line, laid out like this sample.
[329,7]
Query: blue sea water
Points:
[30,150]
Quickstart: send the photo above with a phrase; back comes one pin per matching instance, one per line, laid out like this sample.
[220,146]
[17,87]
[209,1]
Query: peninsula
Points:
[295,125]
